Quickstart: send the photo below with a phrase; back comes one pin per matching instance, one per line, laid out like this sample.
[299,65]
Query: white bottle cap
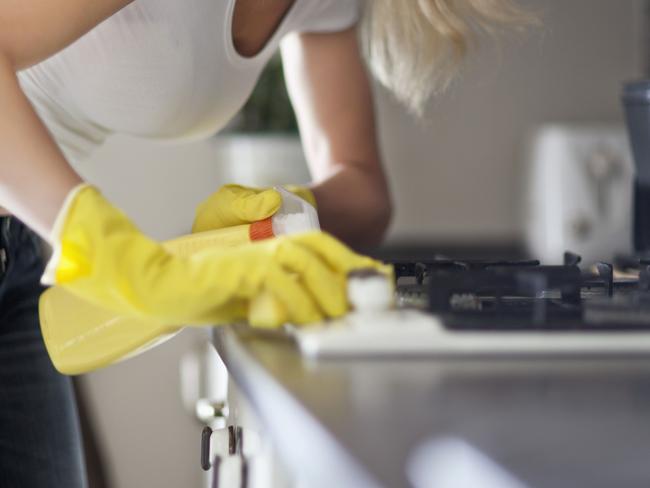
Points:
[294,216]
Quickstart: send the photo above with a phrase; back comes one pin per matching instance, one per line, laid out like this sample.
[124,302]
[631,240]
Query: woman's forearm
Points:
[354,206]
[332,96]
[35,177]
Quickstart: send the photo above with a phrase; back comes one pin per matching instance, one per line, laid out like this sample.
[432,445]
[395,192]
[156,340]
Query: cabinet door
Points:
[235,449]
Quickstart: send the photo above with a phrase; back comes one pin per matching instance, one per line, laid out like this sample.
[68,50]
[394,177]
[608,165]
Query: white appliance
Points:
[578,192]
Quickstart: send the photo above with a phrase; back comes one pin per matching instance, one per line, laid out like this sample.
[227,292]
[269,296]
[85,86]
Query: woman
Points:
[72,72]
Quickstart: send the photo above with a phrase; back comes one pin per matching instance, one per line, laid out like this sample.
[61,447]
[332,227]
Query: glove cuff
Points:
[303,192]
[54,237]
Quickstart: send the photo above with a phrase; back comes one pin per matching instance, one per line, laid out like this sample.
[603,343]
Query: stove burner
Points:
[516,295]
[422,269]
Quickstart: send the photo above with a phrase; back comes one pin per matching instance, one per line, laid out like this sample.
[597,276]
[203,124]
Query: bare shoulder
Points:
[33,30]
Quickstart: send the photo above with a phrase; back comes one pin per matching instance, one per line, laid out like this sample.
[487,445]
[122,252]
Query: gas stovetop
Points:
[471,307]
[524,295]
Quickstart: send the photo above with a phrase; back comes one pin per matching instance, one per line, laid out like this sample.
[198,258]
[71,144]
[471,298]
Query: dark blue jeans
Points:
[40,443]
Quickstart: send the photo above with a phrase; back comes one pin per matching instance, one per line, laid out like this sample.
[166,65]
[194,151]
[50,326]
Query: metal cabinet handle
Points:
[206,433]
[234,436]
[235,446]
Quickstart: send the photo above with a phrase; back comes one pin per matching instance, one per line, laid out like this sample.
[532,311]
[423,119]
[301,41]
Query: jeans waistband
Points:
[5,241]
[12,231]
[14,237]
[21,266]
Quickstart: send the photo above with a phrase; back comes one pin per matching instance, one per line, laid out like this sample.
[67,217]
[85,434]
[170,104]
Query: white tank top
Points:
[165,69]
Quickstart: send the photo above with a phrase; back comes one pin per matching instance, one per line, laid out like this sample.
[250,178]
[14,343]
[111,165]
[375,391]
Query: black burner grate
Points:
[476,294]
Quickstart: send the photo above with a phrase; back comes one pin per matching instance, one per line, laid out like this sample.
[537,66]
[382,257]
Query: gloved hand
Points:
[236,205]
[102,257]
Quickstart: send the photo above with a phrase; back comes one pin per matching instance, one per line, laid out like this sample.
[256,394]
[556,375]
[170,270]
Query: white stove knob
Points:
[370,291]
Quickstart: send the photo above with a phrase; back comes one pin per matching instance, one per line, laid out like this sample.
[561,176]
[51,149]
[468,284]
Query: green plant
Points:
[268,109]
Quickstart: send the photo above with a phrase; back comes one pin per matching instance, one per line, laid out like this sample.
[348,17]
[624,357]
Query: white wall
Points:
[454,177]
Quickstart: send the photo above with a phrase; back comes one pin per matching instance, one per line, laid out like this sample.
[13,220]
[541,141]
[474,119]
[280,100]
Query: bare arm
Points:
[34,175]
[332,97]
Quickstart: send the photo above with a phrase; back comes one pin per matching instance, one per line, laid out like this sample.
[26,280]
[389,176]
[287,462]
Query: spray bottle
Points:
[81,337]
[294,216]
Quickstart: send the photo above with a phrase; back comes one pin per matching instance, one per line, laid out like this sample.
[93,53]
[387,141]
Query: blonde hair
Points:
[415,47]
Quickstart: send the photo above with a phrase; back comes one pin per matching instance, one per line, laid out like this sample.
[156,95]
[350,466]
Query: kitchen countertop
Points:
[548,423]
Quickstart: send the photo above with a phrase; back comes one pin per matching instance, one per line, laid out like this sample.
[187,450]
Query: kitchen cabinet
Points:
[412,422]
[236,450]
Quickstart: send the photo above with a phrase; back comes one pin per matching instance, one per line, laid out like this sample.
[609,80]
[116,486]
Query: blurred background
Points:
[526,150]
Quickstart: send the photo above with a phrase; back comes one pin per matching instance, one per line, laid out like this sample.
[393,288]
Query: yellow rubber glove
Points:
[100,256]
[236,205]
